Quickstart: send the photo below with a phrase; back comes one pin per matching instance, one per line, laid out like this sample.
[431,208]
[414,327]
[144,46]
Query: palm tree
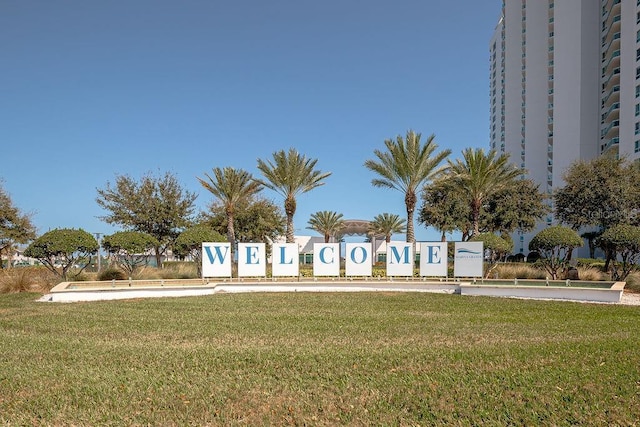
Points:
[481,175]
[231,186]
[387,224]
[327,223]
[406,166]
[290,174]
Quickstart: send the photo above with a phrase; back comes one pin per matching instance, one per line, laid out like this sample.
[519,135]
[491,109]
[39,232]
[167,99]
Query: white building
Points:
[564,85]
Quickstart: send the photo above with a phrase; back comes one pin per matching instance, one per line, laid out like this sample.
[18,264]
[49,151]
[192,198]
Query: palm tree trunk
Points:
[231,232]
[290,235]
[410,203]
[290,210]
[475,212]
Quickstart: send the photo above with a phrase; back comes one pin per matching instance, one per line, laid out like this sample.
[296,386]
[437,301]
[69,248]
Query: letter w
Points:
[220,255]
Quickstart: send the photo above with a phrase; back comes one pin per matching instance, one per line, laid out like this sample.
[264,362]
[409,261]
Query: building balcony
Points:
[609,41]
[610,130]
[612,113]
[612,96]
[614,61]
[612,79]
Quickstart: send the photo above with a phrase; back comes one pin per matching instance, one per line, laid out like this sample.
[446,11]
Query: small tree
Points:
[154,205]
[624,243]
[130,249]
[61,249]
[386,225]
[15,226]
[497,247]
[555,245]
[327,223]
[189,242]
[289,174]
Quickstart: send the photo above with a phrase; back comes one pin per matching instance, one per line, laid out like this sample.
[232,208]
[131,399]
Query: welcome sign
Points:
[358,259]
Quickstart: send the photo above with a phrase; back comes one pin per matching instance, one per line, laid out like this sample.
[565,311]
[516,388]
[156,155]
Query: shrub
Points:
[533,257]
[111,274]
[519,271]
[633,282]
[591,274]
[26,279]
[555,244]
[623,241]
[515,258]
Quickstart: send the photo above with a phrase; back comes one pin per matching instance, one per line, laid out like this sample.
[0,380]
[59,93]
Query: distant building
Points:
[564,85]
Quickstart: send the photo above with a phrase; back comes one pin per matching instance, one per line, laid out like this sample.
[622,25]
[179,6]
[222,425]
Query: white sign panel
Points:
[433,259]
[468,259]
[399,259]
[326,259]
[252,260]
[216,259]
[285,259]
[358,260]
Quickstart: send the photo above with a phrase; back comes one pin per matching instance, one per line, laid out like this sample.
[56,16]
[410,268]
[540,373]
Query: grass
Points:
[318,359]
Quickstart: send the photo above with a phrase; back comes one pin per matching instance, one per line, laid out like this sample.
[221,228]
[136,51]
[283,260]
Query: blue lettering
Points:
[283,252]
[433,255]
[363,252]
[212,257]
[322,258]
[395,255]
[252,255]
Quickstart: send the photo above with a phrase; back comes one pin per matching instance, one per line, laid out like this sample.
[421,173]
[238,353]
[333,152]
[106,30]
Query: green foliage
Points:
[290,174]
[111,274]
[445,207]
[406,166]
[60,249]
[154,205]
[231,187]
[386,225]
[327,223]
[555,245]
[518,206]
[189,242]
[129,249]
[255,220]
[480,175]
[599,193]
[15,226]
[623,242]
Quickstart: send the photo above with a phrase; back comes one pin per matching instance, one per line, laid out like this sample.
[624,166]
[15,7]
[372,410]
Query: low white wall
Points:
[613,294]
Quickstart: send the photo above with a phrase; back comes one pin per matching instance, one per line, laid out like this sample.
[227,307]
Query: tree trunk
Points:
[290,210]
[410,203]
[158,255]
[475,212]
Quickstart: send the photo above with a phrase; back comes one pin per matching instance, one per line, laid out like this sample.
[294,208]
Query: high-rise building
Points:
[564,85]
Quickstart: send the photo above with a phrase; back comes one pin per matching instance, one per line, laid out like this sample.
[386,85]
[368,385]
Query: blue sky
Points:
[94,89]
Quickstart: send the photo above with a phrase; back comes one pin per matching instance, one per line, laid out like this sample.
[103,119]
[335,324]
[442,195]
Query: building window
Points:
[636,147]
[637,110]
[637,91]
[638,73]
[637,128]
[638,36]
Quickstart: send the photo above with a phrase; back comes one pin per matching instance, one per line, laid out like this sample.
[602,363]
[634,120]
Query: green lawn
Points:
[318,359]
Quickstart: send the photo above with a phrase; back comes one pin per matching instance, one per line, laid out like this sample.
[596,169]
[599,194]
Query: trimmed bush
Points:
[623,241]
[555,244]
[111,274]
